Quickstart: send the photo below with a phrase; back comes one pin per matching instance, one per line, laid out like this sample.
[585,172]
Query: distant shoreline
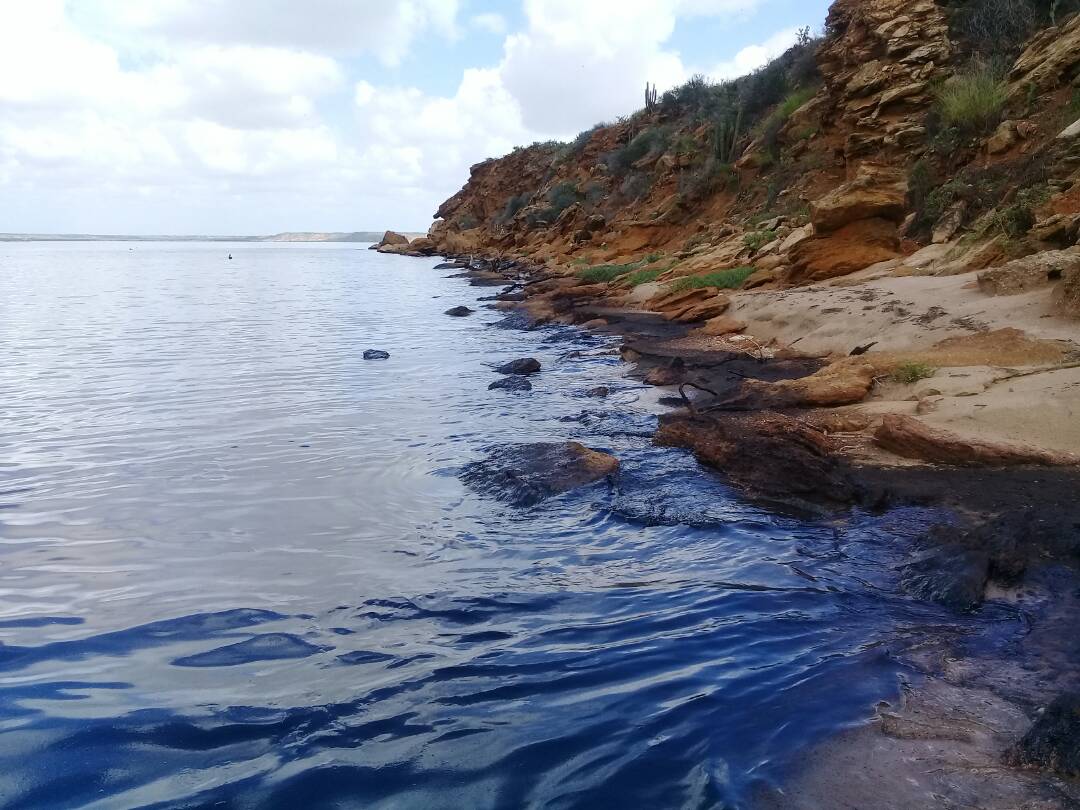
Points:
[356,236]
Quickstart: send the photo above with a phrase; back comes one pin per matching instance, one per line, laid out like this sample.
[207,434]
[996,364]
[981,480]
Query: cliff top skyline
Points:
[196,116]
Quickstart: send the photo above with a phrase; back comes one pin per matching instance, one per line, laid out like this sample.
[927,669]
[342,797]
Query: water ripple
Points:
[237,568]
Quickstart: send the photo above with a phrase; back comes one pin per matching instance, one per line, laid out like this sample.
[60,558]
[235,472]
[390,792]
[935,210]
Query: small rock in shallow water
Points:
[459,312]
[513,383]
[525,365]
[951,576]
[376,354]
[1054,741]
[599,392]
[525,474]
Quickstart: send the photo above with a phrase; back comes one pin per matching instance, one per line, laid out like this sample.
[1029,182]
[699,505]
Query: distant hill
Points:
[355,236]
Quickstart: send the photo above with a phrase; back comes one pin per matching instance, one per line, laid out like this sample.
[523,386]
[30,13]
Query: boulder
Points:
[951,576]
[876,192]
[759,278]
[376,354]
[950,222]
[392,238]
[679,300]
[909,437]
[459,312]
[842,383]
[710,308]
[722,325]
[523,366]
[1070,132]
[422,247]
[1003,139]
[1067,295]
[795,237]
[1057,230]
[1028,273]
[525,474]
[1053,742]
[511,383]
[852,248]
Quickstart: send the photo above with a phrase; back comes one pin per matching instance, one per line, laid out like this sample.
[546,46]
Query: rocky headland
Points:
[857,274]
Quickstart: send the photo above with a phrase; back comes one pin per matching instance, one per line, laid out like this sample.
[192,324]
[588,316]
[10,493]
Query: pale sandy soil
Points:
[975,391]
[899,313]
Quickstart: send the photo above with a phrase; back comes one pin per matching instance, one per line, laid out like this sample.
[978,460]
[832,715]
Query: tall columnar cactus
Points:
[651,95]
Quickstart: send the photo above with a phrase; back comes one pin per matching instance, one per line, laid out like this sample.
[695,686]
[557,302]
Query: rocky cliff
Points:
[851,122]
[905,188]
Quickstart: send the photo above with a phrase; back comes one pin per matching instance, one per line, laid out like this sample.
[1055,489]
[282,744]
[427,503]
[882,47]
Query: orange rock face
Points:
[852,248]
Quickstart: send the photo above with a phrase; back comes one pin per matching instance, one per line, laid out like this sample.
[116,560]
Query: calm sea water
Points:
[237,568]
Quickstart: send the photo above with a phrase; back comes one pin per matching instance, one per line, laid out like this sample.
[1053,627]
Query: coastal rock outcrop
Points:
[876,192]
[525,474]
[1030,272]
[1067,294]
[911,438]
[389,239]
[769,454]
[951,576]
[1053,742]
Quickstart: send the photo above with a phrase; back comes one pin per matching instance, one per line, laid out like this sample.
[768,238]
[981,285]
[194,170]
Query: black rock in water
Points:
[512,383]
[450,266]
[525,365]
[951,576]
[599,392]
[376,354]
[1054,741]
[526,474]
[459,312]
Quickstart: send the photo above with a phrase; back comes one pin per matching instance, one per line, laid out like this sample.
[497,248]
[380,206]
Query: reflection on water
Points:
[237,568]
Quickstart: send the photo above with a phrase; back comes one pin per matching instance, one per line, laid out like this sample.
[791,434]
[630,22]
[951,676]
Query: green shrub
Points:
[646,142]
[724,279]
[1017,219]
[696,184]
[999,29]
[794,100]
[909,373]
[606,272]
[510,210]
[642,277]
[559,198]
[635,186]
[756,240]
[972,101]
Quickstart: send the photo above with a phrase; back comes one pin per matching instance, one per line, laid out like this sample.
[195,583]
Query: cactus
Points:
[651,95]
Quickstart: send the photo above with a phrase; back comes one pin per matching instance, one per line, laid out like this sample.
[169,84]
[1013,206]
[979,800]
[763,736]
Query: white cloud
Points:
[224,114]
[386,28]
[491,23]
[752,57]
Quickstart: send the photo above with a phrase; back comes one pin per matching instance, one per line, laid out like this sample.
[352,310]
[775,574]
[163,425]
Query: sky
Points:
[261,116]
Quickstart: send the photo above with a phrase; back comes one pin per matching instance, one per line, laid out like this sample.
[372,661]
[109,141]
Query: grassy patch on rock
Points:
[603,273]
[642,277]
[910,373]
[724,279]
[972,101]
